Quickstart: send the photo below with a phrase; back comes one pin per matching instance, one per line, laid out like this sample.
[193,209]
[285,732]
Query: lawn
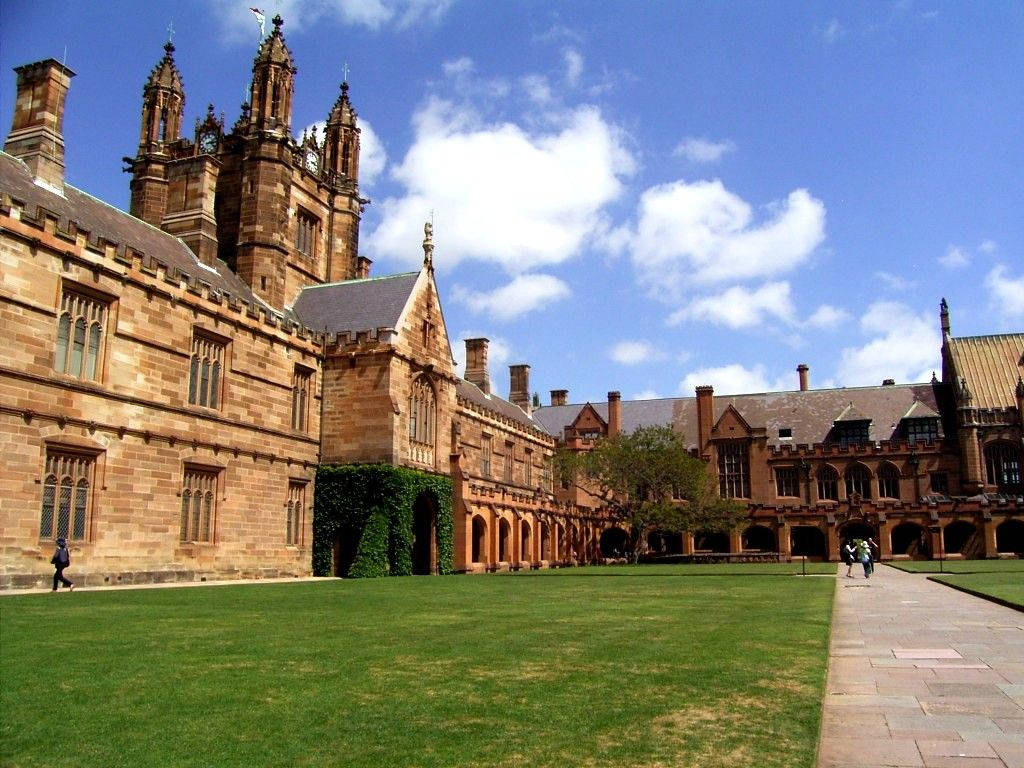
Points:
[960,566]
[618,666]
[1007,586]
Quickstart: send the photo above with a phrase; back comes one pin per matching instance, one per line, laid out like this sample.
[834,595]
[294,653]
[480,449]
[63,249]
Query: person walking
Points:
[864,555]
[61,559]
[849,552]
[873,553]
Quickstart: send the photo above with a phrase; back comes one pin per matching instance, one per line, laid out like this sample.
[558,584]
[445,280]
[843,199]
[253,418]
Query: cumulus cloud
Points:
[300,14]
[988,246]
[905,347]
[646,394]
[732,379]
[573,65]
[499,352]
[955,257]
[522,199]
[524,294]
[892,282]
[1006,292]
[703,150]
[702,233]
[827,316]
[634,352]
[739,307]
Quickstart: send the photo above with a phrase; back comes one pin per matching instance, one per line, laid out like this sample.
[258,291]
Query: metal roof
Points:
[991,366]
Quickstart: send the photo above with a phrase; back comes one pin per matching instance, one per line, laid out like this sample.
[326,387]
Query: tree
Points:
[648,481]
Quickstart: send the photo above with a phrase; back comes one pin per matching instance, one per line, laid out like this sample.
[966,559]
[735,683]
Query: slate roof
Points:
[808,414]
[474,394]
[103,221]
[355,305]
[991,365]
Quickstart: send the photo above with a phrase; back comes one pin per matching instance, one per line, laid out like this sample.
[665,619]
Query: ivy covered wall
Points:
[369,509]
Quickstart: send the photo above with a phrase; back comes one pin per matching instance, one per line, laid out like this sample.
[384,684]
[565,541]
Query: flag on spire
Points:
[260,19]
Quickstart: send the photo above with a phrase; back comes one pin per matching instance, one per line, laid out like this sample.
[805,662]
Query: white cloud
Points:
[537,88]
[739,307]
[634,352]
[988,246]
[1006,292]
[459,67]
[832,31]
[573,65]
[646,394]
[955,258]
[733,379]
[520,199]
[703,233]
[905,347]
[499,352]
[300,14]
[893,282]
[827,316]
[524,294]
[703,150]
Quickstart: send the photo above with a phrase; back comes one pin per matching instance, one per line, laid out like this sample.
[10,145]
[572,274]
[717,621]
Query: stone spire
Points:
[341,140]
[273,75]
[163,102]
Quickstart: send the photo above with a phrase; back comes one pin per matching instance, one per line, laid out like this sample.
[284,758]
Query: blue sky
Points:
[632,196]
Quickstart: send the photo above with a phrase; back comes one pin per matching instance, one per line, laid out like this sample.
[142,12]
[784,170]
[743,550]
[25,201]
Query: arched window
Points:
[1002,467]
[888,482]
[858,481]
[66,487]
[205,372]
[80,335]
[828,484]
[422,419]
[734,469]
[197,505]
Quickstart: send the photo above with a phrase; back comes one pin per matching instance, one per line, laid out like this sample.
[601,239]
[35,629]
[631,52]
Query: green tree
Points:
[648,481]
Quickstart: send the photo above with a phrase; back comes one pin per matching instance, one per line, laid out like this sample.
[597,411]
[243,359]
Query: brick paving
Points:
[921,675]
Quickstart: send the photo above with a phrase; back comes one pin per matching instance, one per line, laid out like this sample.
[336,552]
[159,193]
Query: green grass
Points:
[1007,587]
[960,566]
[624,666]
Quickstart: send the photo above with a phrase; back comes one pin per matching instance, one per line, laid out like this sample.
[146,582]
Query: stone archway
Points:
[807,541]
[711,541]
[910,539]
[958,538]
[525,541]
[1010,537]
[504,541]
[424,535]
[479,539]
[544,531]
[614,542]
[759,538]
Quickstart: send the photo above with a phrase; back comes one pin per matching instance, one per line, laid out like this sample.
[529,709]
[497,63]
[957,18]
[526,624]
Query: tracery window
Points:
[422,418]
[828,484]
[67,485]
[786,482]
[888,482]
[80,333]
[306,225]
[1002,467]
[296,512]
[734,469]
[198,504]
[301,380]
[485,456]
[858,480]
[205,371]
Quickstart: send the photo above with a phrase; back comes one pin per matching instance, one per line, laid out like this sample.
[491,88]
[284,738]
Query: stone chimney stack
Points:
[705,416]
[476,364]
[944,318]
[362,267]
[802,370]
[614,414]
[519,387]
[36,131]
[559,396]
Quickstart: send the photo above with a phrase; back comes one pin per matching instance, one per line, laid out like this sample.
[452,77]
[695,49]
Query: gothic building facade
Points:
[173,377]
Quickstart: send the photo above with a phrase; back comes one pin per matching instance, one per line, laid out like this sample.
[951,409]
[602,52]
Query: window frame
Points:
[307,228]
[858,480]
[82,489]
[787,478]
[888,481]
[93,312]
[207,384]
[193,519]
[302,389]
[295,512]
[734,468]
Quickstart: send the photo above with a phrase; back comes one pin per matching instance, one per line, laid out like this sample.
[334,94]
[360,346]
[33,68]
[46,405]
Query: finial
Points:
[428,244]
[278,22]
[344,75]
[170,35]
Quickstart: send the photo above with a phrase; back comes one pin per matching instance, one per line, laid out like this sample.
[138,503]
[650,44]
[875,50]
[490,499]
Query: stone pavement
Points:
[921,675]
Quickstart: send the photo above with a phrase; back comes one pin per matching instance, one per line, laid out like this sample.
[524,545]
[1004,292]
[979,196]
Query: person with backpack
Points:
[61,559]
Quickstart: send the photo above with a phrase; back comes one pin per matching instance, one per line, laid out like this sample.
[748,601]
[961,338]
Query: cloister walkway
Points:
[921,675]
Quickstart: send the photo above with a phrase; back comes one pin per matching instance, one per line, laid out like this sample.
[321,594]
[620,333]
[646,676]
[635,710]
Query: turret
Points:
[270,92]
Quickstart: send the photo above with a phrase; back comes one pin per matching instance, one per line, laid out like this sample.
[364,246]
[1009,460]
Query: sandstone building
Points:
[172,378]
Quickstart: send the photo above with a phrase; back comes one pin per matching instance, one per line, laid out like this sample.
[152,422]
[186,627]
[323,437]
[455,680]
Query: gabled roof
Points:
[850,413]
[991,366]
[919,410]
[103,221]
[355,305]
[808,414]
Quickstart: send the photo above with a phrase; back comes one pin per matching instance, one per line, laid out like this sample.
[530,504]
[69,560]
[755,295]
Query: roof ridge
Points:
[360,280]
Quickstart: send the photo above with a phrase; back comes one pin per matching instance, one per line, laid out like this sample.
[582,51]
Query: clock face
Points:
[208,142]
[312,160]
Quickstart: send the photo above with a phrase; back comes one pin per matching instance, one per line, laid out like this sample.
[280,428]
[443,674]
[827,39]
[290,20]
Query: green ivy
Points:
[368,509]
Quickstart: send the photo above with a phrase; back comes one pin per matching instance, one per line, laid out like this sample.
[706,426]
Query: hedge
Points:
[369,508]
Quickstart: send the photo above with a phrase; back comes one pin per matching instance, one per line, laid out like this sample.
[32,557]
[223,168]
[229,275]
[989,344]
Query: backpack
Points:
[61,557]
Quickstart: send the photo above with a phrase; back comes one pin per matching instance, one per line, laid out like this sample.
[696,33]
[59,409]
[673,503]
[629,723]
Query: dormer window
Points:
[921,430]
[852,433]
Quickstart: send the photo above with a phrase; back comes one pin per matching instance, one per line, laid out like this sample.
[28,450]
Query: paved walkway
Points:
[921,675]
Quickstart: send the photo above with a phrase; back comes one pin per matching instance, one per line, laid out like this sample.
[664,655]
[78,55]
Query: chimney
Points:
[519,386]
[802,370]
[35,134]
[476,364]
[559,396]
[705,416]
[614,413]
[888,382]
[944,318]
[363,268]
